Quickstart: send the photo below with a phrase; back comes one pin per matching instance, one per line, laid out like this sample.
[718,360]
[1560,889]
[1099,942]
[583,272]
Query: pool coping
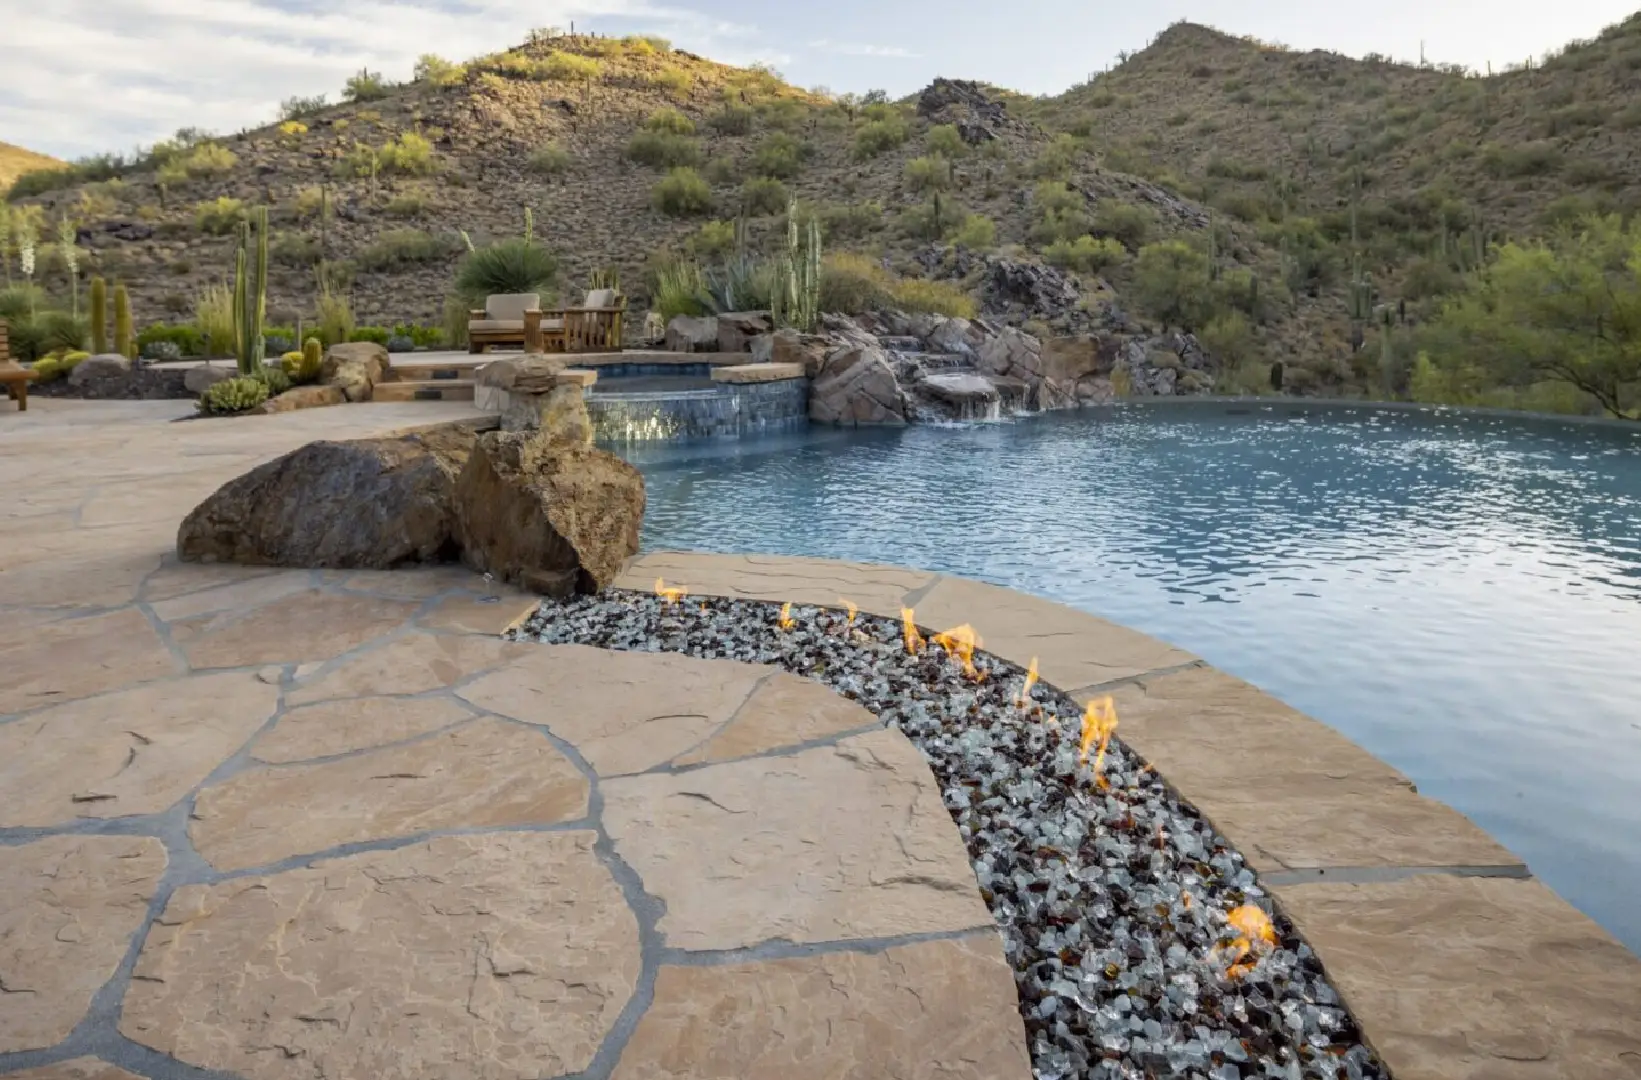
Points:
[1455,960]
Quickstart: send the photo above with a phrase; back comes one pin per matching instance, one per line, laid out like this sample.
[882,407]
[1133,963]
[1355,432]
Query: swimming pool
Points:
[1459,593]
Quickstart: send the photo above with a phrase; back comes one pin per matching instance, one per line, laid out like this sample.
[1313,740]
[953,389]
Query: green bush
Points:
[549,159]
[295,249]
[515,265]
[377,334]
[731,120]
[1085,253]
[47,332]
[682,193]
[410,155]
[1525,159]
[944,141]
[407,204]
[671,121]
[236,395]
[849,221]
[362,160]
[713,239]
[398,248]
[780,156]
[927,174]
[1125,222]
[721,172]
[436,71]
[298,108]
[1229,338]
[977,232]
[1172,282]
[762,196]
[365,86]
[853,283]
[219,216]
[679,288]
[1058,159]
[186,338]
[664,149]
[276,378]
[569,67]
[879,136]
[921,296]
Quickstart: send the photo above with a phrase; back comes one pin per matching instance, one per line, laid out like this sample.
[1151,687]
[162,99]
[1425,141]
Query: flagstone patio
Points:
[300,824]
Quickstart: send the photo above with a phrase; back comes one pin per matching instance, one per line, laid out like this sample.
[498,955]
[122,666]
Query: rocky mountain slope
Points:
[15,161]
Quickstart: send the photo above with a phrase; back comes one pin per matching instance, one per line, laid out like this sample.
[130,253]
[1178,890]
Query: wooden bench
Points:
[14,375]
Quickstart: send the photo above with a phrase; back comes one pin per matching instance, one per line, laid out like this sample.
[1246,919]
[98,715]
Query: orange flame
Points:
[960,642]
[914,640]
[786,616]
[849,606]
[1254,931]
[670,594]
[1099,721]
[1023,698]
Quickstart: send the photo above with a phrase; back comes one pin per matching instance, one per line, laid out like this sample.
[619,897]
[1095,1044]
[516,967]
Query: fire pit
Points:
[1142,945]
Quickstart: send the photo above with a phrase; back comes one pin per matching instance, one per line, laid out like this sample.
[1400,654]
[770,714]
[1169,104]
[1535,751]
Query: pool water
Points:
[1459,593]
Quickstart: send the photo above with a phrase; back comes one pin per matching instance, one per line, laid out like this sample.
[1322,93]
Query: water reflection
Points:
[1461,594]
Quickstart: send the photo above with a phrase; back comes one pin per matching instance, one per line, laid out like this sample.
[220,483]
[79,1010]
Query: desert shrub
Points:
[937,219]
[780,156]
[1125,222]
[398,248]
[437,71]
[1058,158]
[410,155]
[297,108]
[1172,282]
[293,129]
[569,67]
[161,352]
[208,159]
[375,334]
[671,121]
[361,160]
[549,159]
[672,81]
[678,288]
[455,315]
[713,239]
[646,44]
[276,377]
[186,339]
[214,315]
[921,296]
[236,395]
[849,221]
[1229,169]
[294,249]
[367,85]
[1229,337]
[852,284]
[926,174]
[762,196]
[219,216]
[944,141]
[310,201]
[514,265]
[420,336]
[48,332]
[664,149]
[1427,277]
[406,204]
[1525,159]
[977,231]
[1085,253]
[879,136]
[721,172]
[731,120]
[682,193]
[1061,213]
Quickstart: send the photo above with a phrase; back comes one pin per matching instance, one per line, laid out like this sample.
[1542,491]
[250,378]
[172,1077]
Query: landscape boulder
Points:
[788,346]
[303,397]
[736,329]
[689,334]
[355,367]
[101,366]
[363,504]
[547,513]
[855,385]
[202,378]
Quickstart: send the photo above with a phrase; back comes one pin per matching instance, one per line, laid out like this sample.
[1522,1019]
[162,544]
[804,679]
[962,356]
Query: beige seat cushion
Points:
[600,298]
[552,324]
[510,307]
[496,325]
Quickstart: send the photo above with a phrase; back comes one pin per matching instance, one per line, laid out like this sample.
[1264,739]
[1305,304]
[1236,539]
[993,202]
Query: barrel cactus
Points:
[303,367]
[278,382]
[236,395]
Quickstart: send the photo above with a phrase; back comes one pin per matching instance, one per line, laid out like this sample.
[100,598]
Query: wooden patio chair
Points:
[595,326]
[515,319]
[14,375]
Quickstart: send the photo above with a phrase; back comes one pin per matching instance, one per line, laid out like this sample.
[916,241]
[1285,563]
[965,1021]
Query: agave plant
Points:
[516,265]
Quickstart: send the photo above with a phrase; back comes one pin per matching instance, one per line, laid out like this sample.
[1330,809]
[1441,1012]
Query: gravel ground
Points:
[1142,945]
[139,384]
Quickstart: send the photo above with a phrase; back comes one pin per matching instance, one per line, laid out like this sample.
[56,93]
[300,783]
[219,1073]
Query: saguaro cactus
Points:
[251,291]
[99,315]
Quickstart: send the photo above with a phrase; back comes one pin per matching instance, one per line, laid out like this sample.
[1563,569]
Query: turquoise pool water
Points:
[1460,594]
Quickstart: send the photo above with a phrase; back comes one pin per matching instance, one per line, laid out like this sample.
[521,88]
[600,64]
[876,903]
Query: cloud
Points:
[226,64]
[844,48]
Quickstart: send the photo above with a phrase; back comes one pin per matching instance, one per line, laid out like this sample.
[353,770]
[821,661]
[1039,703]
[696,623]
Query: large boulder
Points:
[355,367]
[854,386]
[364,504]
[303,397]
[736,329]
[688,334]
[788,346]
[101,366]
[528,374]
[547,514]
[202,378]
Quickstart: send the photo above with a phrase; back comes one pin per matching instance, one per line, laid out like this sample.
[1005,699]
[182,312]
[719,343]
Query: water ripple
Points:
[1460,594]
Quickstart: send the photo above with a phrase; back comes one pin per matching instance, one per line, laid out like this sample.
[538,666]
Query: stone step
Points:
[757,373]
[443,371]
[424,390]
[900,343]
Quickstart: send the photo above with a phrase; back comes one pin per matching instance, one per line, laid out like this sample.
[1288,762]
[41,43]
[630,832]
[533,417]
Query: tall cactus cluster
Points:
[125,335]
[99,316]
[796,301]
[251,291]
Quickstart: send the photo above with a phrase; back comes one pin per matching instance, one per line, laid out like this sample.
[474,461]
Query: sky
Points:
[92,76]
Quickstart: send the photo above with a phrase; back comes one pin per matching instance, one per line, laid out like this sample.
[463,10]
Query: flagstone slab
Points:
[131,752]
[175,579]
[97,579]
[78,657]
[1073,649]
[935,1010]
[409,583]
[878,590]
[484,774]
[1469,978]
[505,956]
[1289,791]
[242,591]
[494,614]
[835,843]
[785,710]
[625,712]
[81,1068]
[69,906]
[412,664]
[340,727]
[310,625]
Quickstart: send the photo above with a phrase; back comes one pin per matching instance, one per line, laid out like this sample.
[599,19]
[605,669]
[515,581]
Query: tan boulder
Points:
[303,397]
[526,374]
[552,516]
[857,386]
[101,366]
[736,329]
[202,378]
[356,367]
[689,334]
[788,346]
[366,504]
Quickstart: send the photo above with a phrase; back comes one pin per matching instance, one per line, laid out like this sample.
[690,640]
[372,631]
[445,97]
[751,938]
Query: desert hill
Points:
[15,161]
